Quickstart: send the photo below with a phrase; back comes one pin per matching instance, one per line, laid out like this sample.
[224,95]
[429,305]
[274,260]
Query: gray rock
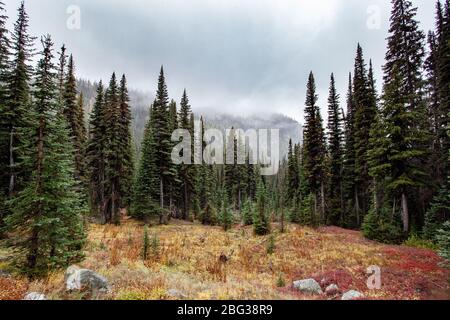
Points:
[308,286]
[332,290]
[177,294]
[352,295]
[84,279]
[5,274]
[35,296]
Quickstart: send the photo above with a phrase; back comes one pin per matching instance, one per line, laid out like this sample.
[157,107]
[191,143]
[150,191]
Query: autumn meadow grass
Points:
[200,262]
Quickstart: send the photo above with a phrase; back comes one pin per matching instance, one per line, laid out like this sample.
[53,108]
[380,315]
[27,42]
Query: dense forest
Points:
[380,164]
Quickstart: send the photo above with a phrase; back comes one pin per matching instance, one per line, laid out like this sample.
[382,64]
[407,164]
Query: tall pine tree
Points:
[47,213]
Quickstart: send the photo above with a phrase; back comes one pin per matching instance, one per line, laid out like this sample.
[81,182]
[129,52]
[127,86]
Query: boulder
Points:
[332,290]
[352,295]
[177,294]
[84,279]
[34,296]
[308,286]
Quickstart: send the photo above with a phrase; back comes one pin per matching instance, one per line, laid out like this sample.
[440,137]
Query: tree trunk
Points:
[358,219]
[185,211]
[322,195]
[405,213]
[12,179]
[161,190]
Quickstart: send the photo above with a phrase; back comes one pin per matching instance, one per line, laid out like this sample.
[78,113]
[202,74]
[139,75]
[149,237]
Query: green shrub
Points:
[280,281]
[417,242]
[271,245]
[382,226]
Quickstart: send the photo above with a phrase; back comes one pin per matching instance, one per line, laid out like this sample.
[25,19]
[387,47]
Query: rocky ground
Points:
[190,261]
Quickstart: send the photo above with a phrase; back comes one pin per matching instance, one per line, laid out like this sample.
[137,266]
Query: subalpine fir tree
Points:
[113,201]
[314,149]
[365,112]
[293,175]
[163,145]
[75,118]
[226,215]
[145,196]
[335,150]
[404,111]
[186,171]
[47,213]
[4,137]
[18,100]
[261,225]
[349,186]
[96,152]
[125,145]
[247,213]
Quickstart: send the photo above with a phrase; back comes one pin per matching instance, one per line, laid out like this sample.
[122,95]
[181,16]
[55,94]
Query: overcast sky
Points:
[236,56]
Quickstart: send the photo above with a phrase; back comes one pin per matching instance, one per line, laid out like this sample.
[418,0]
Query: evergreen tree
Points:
[403,110]
[247,213]
[146,184]
[125,144]
[365,112]
[4,130]
[335,192]
[349,178]
[261,225]
[186,171]
[47,213]
[226,216]
[314,149]
[75,118]
[96,152]
[113,163]
[293,174]
[18,100]
[163,144]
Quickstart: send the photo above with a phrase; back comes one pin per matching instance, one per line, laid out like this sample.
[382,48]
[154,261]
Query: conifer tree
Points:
[4,136]
[186,171]
[261,225]
[404,111]
[314,149]
[75,118]
[162,140]
[349,186]
[125,145]
[18,100]
[365,112]
[293,174]
[146,184]
[335,192]
[247,213]
[111,210]
[226,217]
[47,213]
[96,152]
